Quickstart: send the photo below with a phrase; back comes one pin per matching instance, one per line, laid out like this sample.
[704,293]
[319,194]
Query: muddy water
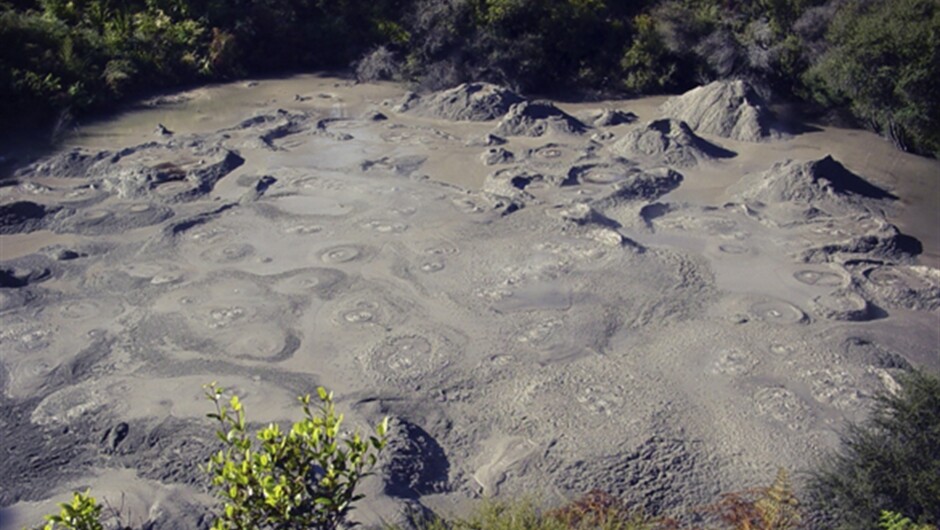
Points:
[652,335]
[915,178]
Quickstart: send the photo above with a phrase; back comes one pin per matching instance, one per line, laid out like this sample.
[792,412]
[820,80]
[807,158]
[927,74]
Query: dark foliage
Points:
[878,58]
[891,462]
[884,62]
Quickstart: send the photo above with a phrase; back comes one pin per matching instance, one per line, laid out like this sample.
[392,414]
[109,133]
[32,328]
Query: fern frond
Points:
[777,507]
[890,520]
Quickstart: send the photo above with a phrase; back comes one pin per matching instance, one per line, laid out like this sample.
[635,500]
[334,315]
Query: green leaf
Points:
[324,501]
[268,487]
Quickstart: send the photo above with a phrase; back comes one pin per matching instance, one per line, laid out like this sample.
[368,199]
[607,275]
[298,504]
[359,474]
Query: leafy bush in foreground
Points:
[891,462]
[83,513]
[304,478]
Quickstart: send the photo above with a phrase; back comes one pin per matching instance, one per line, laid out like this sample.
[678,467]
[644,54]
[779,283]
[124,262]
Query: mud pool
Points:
[545,298]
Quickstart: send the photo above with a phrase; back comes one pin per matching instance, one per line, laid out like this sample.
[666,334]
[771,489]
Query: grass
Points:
[596,510]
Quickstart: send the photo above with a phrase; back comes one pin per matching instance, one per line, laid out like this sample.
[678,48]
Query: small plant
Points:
[594,511]
[83,513]
[599,509]
[303,478]
[895,521]
[772,508]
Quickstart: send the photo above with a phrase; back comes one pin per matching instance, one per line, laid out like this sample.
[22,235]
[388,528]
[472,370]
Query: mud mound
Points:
[265,129]
[537,118]
[518,183]
[167,172]
[487,140]
[730,109]
[99,221]
[583,214]
[906,287]
[138,180]
[871,353]
[497,155]
[554,157]
[823,181]
[466,102]
[618,183]
[862,237]
[74,163]
[670,142]
[28,270]
[414,463]
[839,214]
[22,217]
[843,304]
[607,117]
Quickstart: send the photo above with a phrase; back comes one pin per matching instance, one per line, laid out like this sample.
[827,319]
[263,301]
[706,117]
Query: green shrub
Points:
[304,478]
[83,513]
[884,62]
[647,65]
[891,462]
[549,45]
[895,521]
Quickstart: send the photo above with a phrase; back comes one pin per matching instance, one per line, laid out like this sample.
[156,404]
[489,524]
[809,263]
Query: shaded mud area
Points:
[546,299]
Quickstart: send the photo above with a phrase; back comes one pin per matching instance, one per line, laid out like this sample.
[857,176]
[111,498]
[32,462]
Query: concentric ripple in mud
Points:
[408,358]
[777,312]
[563,320]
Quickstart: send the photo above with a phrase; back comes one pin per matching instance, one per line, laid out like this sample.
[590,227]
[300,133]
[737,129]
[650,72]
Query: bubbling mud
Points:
[567,312]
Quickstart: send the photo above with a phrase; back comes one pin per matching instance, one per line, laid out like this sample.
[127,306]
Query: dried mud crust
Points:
[23,217]
[650,474]
[570,326]
[37,458]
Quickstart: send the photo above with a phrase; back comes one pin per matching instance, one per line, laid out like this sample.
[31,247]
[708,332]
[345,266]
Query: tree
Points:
[885,63]
[646,64]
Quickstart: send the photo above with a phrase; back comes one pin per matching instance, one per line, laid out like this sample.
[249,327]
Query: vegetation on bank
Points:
[878,58]
[302,478]
[892,461]
[887,476]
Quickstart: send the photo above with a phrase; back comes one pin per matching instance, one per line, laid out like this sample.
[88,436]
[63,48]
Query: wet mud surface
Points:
[543,303]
